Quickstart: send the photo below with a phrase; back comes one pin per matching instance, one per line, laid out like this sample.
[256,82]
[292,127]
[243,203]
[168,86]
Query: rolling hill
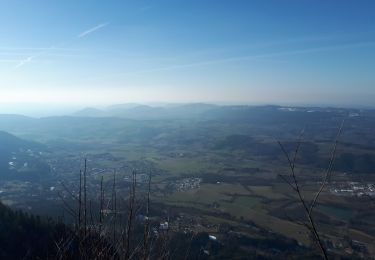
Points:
[20,158]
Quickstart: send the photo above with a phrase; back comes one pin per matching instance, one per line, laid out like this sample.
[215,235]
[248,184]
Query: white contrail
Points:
[44,51]
[246,58]
[24,61]
[271,55]
[91,30]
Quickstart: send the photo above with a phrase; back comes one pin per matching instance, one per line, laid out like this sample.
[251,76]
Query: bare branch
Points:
[69,208]
[329,169]
[297,147]
[312,226]
[287,181]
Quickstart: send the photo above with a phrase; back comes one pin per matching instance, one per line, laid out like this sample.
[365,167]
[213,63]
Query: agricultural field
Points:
[218,168]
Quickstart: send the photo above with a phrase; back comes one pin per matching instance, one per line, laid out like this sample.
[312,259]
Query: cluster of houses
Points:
[187,184]
[354,189]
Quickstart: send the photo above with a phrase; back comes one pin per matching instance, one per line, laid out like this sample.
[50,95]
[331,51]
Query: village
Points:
[353,189]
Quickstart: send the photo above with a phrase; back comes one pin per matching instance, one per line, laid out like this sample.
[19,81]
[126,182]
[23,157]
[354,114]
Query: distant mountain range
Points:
[195,110]
[137,111]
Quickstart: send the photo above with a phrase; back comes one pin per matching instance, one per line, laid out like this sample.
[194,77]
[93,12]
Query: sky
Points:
[87,53]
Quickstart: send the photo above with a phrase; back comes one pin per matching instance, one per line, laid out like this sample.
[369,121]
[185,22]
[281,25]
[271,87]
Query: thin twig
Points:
[329,169]
[302,200]
[287,181]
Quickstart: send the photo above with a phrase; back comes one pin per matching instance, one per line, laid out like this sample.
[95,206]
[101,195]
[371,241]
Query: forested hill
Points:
[24,236]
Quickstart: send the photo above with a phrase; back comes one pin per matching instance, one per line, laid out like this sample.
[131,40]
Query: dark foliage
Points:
[24,236]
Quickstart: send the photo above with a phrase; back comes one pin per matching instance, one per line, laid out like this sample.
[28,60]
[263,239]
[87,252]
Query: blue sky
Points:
[250,52]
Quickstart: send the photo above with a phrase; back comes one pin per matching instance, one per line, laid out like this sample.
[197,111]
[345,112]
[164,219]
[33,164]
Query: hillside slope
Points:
[24,236]
[20,158]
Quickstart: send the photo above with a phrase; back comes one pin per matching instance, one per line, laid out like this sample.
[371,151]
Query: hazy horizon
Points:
[187,129]
[47,110]
[77,54]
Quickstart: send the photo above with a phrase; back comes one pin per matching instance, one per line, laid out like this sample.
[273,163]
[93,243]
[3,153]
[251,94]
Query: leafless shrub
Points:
[108,234]
[292,181]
